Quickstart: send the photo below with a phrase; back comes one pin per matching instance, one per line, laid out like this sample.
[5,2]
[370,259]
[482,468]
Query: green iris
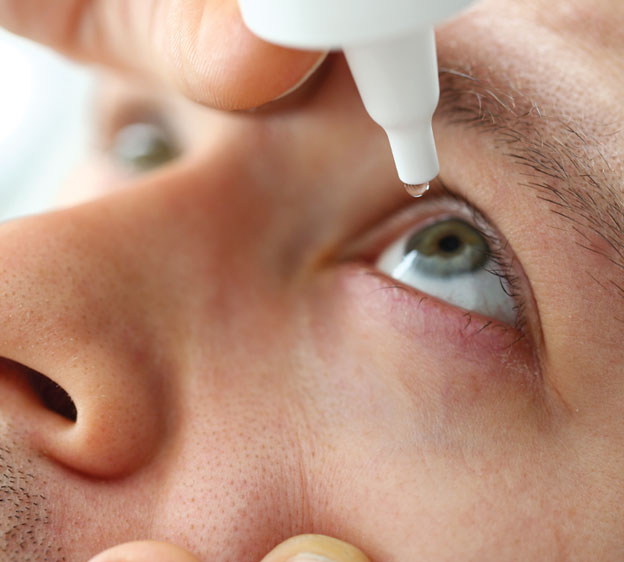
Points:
[447,248]
[141,147]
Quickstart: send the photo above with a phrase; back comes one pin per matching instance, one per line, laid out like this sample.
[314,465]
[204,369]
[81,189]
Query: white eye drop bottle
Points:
[390,48]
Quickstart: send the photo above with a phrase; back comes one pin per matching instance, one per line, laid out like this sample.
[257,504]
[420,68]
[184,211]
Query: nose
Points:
[170,314]
[109,300]
[69,319]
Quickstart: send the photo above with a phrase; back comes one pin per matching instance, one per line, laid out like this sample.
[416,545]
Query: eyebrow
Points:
[563,164]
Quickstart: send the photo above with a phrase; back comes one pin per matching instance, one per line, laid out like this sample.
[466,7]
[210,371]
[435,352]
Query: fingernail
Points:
[315,548]
[309,557]
[304,78]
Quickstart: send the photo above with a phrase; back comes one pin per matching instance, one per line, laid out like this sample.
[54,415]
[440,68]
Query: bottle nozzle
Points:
[414,153]
[398,81]
[390,48]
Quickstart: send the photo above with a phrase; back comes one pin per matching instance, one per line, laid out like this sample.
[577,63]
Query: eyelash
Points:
[500,262]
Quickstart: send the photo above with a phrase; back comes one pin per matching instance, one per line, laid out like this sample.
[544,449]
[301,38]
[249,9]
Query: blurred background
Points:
[44,124]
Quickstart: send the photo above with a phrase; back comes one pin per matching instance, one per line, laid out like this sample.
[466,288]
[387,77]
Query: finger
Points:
[315,548]
[145,551]
[201,47]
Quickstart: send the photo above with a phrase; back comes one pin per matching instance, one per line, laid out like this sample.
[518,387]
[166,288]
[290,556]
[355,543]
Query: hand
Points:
[200,47]
[302,548]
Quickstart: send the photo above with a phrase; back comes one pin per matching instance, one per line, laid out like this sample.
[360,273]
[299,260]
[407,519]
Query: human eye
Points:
[444,248]
[142,146]
[449,258]
[136,129]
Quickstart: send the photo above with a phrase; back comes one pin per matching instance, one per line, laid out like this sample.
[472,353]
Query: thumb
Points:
[145,551]
[200,47]
[315,548]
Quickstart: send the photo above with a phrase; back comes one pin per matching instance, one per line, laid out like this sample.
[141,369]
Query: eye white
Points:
[141,147]
[480,290]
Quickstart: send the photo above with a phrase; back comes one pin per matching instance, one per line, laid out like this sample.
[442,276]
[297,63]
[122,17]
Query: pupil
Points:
[449,244]
[446,248]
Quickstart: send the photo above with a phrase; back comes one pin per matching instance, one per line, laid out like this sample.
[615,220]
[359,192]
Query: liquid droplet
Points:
[417,190]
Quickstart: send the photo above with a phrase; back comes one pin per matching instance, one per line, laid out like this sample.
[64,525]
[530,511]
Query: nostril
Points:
[52,395]
[105,433]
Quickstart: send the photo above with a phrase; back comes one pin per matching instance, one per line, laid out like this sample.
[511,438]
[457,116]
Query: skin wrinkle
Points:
[562,164]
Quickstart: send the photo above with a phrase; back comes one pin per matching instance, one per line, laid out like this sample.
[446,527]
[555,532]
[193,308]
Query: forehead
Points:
[596,23]
[568,56]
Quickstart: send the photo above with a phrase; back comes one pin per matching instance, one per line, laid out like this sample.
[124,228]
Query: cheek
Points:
[455,447]
[450,375]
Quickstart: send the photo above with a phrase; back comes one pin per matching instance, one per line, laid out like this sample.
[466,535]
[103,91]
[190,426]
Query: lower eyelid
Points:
[424,317]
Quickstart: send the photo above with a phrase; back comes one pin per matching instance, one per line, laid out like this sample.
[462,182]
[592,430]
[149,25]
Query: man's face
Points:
[243,365]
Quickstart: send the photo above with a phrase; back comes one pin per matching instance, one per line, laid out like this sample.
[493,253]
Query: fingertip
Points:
[241,71]
[145,551]
[315,548]
[263,73]
[304,78]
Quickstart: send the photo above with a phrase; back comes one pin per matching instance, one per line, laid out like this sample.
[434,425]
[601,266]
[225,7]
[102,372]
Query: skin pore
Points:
[242,371]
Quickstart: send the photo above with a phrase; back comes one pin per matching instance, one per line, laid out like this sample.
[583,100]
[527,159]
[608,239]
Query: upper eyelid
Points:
[117,104]
[385,231]
[125,116]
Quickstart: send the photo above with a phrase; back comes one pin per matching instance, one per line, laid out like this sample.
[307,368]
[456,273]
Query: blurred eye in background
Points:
[44,124]
[143,146]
